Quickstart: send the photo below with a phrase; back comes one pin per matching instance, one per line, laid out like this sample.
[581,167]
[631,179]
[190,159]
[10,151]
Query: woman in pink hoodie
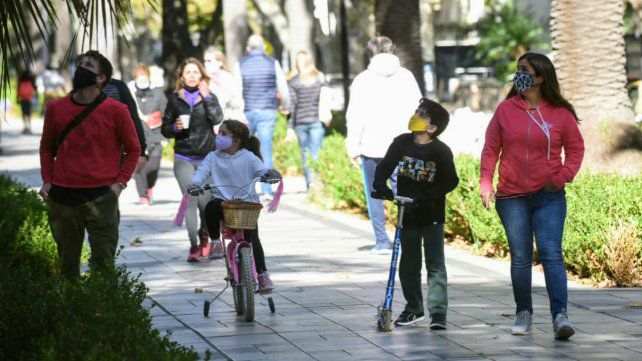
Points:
[526,135]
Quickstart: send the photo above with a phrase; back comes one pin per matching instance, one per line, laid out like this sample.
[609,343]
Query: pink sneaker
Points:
[144,201]
[205,243]
[149,195]
[265,283]
[216,249]
[194,254]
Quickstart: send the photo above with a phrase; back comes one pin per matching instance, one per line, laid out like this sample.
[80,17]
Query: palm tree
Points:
[400,21]
[588,39]
[590,55]
[19,17]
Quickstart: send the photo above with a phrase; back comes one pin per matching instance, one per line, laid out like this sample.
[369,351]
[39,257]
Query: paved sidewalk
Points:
[328,287]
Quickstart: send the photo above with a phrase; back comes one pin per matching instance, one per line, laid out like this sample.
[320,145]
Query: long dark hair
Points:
[550,87]
[241,131]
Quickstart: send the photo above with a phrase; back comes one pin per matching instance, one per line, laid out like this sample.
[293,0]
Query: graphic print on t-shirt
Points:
[417,169]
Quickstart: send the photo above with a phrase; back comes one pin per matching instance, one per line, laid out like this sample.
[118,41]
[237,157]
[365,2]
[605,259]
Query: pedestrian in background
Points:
[260,79]
[27,93]
[118,90]
[51,84]
[81,167]
[222,84]
[382,99]
[151,103]
[190,116]
[526,135]
[304,122]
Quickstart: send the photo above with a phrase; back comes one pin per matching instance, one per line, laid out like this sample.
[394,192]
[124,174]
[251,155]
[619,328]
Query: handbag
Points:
[325,109]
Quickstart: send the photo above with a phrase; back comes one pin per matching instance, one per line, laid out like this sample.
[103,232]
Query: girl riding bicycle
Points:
[233,167]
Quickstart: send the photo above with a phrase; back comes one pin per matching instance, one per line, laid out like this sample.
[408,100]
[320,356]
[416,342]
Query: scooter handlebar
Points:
[404,200]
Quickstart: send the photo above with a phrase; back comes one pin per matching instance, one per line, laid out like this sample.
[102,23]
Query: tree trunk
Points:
[273,12]
[588,39]
[177,44]
[235,23]
[301,28]
[400,21]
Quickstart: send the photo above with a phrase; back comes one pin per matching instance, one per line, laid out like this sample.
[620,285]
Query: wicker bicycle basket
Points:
[241,214]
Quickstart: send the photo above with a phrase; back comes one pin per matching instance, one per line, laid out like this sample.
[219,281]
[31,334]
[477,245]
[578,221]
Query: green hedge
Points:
[604,214]
[44,317]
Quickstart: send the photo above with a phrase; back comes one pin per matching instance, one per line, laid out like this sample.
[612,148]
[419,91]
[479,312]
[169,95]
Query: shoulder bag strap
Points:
[76,122]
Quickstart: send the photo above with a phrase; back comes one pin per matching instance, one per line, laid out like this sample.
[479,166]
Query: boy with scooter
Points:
[425,173]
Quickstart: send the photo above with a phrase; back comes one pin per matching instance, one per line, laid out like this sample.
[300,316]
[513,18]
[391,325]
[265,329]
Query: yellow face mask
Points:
[418,124]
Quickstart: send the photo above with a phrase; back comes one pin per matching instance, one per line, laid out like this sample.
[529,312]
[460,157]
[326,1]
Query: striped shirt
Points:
[304,101]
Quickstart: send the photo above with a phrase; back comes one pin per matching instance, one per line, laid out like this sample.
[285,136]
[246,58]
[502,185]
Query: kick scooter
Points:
[384,312]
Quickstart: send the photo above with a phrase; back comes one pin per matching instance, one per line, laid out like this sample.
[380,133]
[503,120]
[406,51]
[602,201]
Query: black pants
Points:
[213,218]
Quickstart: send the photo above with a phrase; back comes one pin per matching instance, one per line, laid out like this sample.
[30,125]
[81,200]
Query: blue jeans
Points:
[541,214]
[376,211]
[310,140]
[262,122]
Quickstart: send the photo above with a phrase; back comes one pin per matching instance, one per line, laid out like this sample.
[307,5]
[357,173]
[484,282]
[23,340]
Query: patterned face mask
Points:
[523,81]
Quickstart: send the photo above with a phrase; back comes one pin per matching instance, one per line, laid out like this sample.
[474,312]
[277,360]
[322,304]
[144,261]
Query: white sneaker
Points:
[523,323]
[382,248]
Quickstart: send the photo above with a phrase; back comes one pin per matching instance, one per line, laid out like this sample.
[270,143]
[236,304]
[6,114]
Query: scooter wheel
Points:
[206,308]
[385,321]
[271,303]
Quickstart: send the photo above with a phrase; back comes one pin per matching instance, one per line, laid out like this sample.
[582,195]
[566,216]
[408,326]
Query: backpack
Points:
[25,90]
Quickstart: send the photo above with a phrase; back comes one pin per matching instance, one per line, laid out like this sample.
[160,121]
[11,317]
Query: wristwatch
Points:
[122,185]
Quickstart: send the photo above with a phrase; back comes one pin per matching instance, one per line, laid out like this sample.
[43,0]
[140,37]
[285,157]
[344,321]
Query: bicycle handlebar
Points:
[208,186]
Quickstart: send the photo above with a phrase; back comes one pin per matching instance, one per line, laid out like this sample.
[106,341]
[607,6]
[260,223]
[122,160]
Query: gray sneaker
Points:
[562,326]
[523,322]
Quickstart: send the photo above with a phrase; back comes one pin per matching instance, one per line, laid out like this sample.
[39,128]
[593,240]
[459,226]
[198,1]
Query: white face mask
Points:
[142,82]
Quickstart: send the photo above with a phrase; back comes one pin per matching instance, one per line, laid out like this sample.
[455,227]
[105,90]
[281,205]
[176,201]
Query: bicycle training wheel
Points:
[206,308]
[247,283]
[238,298]
[271,303]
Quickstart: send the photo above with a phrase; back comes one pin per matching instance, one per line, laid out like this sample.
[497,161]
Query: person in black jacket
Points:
[426,173]
[191,114]
[118,90]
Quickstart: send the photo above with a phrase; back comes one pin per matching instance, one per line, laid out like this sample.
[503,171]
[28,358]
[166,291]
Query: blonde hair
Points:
[219,56]
[201,69]
[308,72]
[140,68]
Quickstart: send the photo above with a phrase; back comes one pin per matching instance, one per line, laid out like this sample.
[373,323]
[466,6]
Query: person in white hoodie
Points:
[382,98]
[233,167]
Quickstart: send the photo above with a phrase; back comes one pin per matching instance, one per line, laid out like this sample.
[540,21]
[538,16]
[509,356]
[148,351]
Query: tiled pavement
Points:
[328,287]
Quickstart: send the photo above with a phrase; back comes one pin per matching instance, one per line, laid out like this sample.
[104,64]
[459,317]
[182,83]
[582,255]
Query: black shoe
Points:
[438,321]
[409,318]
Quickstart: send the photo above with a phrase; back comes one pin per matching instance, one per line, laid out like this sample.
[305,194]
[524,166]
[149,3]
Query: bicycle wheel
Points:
[247,283]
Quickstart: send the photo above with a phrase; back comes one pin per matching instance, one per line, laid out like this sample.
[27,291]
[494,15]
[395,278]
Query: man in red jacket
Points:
[84,177]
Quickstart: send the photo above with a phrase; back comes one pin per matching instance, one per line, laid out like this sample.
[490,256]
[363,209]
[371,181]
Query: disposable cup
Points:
[185,119]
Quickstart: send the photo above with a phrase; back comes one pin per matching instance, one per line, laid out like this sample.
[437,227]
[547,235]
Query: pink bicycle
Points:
[239,258]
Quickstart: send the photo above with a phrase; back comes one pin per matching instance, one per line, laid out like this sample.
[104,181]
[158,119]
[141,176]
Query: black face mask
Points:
[83,78]
[190,89]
